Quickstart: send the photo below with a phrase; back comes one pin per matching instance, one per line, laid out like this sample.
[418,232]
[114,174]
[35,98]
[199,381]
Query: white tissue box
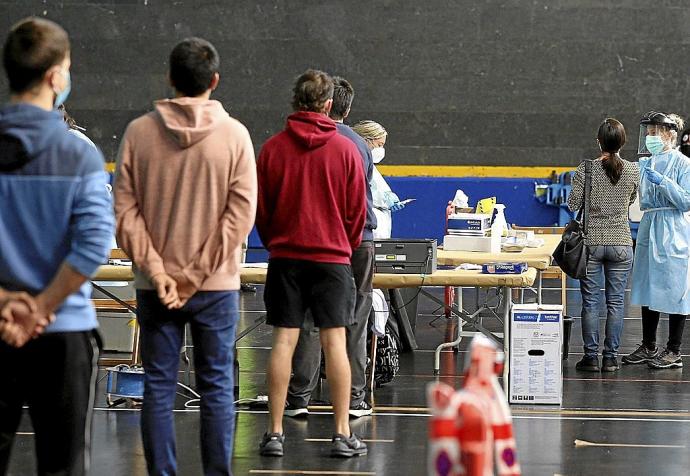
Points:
[485,244]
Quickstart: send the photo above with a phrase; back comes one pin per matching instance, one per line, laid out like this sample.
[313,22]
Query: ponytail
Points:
[613,166]
[611,137]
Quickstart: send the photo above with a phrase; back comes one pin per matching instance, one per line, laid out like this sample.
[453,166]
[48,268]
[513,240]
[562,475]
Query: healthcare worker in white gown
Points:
[385,202]
[661,269]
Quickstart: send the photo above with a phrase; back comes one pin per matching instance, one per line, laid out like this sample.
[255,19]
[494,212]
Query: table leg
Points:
[539,286]
[458,303]
[405,328]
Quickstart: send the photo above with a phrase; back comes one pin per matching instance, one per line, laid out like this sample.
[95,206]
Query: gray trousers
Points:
[306,360]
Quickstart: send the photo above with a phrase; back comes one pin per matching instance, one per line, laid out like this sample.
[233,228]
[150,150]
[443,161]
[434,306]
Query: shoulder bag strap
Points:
[587,193]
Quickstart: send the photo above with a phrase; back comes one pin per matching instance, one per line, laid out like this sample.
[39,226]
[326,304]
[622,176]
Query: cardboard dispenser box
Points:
[536,375]
[486,244]
[469,223]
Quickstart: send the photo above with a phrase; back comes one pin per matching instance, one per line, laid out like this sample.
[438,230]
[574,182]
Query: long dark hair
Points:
[611,138]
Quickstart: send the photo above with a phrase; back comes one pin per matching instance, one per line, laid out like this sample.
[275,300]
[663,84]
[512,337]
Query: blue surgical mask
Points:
[654,144]
[61,97]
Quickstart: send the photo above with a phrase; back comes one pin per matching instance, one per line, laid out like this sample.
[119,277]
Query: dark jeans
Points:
[650,321]
[55,375]
[616,262]
[307,357]
[212,316]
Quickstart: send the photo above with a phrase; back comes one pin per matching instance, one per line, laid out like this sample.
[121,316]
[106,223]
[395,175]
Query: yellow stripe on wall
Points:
[469,171]
[454,171]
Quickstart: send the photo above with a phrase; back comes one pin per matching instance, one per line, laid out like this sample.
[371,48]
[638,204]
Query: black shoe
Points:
[363,409]
[272,444]
[666,360]
[247,288]
[641,355]
[609,364]
[344,447]
[295,411]
[588,363]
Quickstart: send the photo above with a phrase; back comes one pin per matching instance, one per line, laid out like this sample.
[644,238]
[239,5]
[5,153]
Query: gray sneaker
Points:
[272,444]
[641,355]
[363,409]
[293,411]
[344,447]
[666,360]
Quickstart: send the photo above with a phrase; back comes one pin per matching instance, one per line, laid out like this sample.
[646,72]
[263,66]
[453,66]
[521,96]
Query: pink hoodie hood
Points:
[190,120]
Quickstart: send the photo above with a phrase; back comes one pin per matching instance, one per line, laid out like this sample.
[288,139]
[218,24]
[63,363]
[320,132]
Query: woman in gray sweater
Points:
[614,187]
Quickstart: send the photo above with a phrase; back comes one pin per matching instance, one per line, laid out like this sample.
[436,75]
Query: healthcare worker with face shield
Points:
[661,269]
[384,200]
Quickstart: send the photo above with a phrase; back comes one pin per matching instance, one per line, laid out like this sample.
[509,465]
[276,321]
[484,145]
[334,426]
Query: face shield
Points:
[656,133]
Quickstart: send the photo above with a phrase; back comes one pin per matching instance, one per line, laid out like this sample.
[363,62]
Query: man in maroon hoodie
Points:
[310,216]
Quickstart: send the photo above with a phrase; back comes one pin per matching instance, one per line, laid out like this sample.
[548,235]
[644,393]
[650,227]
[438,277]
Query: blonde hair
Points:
[370,130]
[680,123]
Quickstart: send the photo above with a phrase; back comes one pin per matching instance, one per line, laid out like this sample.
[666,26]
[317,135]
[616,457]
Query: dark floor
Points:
[635,406]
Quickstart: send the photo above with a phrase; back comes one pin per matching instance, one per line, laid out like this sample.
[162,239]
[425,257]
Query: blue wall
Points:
[425,218]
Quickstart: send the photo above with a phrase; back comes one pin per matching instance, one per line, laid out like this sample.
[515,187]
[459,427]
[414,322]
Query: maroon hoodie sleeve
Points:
[356,212]
[264,205]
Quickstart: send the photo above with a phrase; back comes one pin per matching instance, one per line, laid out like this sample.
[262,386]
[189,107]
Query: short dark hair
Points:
[343,93]
[193,62]
[312,89]
[33,46]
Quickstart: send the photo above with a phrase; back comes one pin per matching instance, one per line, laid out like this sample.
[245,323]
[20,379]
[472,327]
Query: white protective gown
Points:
[379,188]
[661,270]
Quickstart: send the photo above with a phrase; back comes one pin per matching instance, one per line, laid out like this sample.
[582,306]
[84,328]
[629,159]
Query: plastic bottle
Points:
[500,219]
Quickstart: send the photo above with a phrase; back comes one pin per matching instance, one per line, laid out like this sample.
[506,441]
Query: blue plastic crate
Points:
[124,381]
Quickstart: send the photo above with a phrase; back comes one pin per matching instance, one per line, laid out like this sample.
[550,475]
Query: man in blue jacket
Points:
[56,227]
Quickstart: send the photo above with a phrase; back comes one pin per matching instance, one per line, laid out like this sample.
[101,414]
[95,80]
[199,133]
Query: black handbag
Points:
[572,252]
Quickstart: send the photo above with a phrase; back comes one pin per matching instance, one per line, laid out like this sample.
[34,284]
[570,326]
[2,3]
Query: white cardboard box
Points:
[486,244]
[536,375]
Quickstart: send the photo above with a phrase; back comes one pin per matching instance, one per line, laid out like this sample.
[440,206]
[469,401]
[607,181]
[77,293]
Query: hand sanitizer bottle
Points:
[500,218]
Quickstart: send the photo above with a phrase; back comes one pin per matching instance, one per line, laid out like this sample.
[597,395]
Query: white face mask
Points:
[378,153]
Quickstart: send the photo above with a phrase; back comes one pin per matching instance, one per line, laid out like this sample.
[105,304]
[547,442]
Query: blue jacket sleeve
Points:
[91,224]
[677,193]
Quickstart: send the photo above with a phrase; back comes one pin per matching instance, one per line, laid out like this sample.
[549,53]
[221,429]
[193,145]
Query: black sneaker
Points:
[344,447]
[609,364]
[641,355]
[666,360]
[295,411]
[588,363]
[272,444]
[363,409]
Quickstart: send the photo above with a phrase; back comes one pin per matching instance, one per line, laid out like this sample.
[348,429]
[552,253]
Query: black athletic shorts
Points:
[293,286]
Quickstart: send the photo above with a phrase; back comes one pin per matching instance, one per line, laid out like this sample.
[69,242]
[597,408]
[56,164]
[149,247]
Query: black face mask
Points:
[685,149]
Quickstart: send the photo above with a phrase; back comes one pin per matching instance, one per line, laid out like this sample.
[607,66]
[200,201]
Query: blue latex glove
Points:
[390,199]
[397,206]
[653,176]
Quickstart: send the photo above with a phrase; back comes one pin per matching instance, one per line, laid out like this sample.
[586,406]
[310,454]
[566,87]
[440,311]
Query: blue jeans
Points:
[616,261]
[213,318]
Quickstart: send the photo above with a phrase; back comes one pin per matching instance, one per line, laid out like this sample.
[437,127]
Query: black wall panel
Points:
[455,82]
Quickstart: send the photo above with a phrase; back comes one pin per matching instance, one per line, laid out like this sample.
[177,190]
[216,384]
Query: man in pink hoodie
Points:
[185,198]
[311,213]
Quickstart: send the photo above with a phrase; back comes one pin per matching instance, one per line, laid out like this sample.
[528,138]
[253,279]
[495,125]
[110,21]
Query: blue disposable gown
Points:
[661,270]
